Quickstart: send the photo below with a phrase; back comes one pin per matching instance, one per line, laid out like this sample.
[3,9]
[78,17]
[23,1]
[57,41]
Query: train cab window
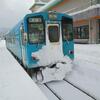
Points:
[53,32]
[36,30]
[67,29]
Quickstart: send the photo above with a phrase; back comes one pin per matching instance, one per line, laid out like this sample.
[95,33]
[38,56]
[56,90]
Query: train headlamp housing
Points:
[52,16]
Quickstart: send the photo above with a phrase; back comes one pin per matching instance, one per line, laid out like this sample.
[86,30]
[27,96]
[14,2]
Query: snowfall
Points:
[15,84]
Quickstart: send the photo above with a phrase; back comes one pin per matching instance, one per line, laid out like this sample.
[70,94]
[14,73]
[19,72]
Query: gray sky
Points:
[11,11]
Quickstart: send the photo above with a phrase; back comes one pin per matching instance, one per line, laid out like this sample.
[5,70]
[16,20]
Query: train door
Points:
[23,43]
[54,39]
[67,36]
[53,31]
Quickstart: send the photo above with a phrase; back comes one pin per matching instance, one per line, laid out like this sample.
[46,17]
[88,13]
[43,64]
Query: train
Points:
[42,40]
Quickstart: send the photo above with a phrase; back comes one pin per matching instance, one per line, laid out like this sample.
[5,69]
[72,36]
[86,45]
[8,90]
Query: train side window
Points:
[23,35]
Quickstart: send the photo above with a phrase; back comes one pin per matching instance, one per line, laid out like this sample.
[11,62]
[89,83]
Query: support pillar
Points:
[93,31]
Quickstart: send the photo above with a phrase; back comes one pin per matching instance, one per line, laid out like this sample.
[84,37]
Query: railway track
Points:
[64,90]
[51,91]
[59,97]
[81,90]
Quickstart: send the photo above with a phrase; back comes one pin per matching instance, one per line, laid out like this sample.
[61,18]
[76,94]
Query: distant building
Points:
[86,14]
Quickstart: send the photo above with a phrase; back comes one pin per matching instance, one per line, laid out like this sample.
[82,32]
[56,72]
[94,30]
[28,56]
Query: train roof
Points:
[47,12]
[37,14]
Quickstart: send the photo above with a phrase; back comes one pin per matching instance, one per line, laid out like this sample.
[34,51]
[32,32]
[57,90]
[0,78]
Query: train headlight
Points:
[52,16]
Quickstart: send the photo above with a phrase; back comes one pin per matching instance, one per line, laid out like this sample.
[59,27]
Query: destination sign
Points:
[35,20]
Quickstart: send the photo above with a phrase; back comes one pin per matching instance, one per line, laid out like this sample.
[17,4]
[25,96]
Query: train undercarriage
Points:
[54,72]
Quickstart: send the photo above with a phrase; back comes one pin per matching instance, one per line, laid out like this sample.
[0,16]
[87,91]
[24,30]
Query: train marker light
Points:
[71,52]
[34,57]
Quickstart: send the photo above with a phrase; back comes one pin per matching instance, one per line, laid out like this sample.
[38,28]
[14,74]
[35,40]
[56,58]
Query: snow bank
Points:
[2,43]
[53,54]
[15,84]
[49,55]
[86,72]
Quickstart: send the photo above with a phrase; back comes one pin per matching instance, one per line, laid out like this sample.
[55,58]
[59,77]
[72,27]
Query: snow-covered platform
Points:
[15,84]
[86,72]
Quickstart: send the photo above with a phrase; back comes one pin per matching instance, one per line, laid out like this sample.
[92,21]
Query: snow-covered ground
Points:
[15,84]
[85,75]
[64,91]
[86,71]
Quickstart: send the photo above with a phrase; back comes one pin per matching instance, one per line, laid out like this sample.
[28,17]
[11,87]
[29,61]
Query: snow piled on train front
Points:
[53,55]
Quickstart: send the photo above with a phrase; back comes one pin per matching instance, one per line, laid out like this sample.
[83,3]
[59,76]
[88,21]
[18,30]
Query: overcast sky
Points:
[11,11]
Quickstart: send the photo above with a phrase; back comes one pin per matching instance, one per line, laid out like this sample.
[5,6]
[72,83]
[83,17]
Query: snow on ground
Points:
[2,44]
[85,74]
[49,55]
[15,84]
[67,91]
[53,55]
[47,92]
[86,71]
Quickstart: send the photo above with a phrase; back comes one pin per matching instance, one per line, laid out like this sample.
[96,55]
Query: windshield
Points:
[36,31]
[53,32]
[67,29]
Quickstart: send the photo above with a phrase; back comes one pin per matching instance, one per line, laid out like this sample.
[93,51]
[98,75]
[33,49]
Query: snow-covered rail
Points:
[59,97]
[64,90]
[88,94]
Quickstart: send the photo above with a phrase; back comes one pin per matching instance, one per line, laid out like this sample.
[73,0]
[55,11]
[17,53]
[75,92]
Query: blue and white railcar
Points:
[39,31]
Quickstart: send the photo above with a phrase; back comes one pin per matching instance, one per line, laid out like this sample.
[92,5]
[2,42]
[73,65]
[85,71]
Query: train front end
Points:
[49,47]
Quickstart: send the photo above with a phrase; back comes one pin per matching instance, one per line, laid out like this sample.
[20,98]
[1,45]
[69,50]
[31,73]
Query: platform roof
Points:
[49,5]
